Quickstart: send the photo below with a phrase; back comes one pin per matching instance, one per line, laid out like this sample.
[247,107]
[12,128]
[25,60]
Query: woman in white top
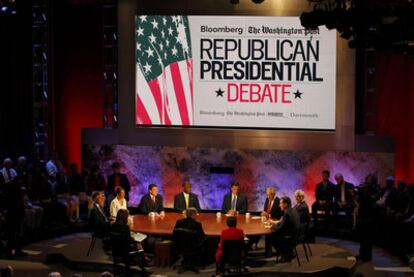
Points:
[118,203]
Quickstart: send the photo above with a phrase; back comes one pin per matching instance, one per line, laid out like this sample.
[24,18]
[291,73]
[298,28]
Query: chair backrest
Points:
[120,245]
[232,252]
[300,237]
[185,240]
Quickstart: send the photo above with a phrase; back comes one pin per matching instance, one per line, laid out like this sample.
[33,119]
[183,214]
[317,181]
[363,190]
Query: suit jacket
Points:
[98,221]
[348,195]
[231,233]
[241,204]
[124,183]
[193,225]
[303,212]
[289,224]
[275,211]
[146,205]
[325,192]
[179,202]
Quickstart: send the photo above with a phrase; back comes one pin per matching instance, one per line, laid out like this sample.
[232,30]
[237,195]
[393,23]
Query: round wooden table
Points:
[212,225]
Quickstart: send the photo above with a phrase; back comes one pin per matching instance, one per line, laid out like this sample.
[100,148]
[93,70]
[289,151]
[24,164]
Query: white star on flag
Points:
[150,52]
[154,24]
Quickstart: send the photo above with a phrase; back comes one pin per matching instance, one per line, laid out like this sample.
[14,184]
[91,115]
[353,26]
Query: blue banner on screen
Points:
[234,72]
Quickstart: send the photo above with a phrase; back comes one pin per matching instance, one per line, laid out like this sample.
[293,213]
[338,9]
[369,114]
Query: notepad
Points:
[138,237]
[256,217]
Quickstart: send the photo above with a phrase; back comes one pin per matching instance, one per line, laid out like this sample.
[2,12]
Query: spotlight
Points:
[4,9]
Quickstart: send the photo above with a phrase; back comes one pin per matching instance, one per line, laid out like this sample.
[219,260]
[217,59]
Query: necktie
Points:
[153,200]
[186,198]
[9,177]
[269,207]
[342,193]
[233,203]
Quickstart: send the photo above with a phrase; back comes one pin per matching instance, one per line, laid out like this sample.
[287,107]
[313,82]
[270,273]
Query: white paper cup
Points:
[218,214]
[247,214]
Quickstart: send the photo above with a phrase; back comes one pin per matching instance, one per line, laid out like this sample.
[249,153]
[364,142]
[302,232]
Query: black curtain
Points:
[16,100]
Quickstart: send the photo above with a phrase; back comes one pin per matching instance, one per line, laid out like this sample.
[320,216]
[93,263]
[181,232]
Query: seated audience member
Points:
[118,203]
[189,223]
[402,200]
[64,198]
[54,166]
[387,196]
[77,187]
[118,179]
[324,196]
[186,199]
[231,233]
[7,173]
[23,174]
[151,203]
[285,231]
[98,220]
[7,271]
[301,207]
[106,274]
[55,274]
[343,196]
[95,181]
[33,214]
[234,202]
[271,207]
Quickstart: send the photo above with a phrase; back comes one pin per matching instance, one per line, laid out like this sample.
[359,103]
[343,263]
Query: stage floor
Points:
[326,259]
[327,251]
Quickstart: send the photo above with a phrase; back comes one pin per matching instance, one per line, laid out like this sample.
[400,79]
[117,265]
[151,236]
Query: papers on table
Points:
[138,237]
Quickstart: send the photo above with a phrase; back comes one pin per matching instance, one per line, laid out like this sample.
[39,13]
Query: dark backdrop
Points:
[16,107]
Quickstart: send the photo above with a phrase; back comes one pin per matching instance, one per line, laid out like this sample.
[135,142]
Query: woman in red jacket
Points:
[231,233]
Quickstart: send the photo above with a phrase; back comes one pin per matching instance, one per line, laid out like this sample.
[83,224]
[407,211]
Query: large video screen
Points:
[234,72]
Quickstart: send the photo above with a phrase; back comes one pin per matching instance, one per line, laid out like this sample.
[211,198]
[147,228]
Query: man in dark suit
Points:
[118,179]
[98,220]
[271,207]
[152,202]
[324,197]
[284,231]
[189,223]
[186,199]
[343,196]
[234,202]
[271,210]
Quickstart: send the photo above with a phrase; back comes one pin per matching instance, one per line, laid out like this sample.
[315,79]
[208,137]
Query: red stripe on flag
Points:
[179,93]
[154,86]
[142,115]
[189,63]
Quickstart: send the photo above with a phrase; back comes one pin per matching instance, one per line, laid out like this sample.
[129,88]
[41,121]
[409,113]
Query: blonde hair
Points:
[300,193]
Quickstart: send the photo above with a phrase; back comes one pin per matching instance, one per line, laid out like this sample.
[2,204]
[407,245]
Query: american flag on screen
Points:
[164,81]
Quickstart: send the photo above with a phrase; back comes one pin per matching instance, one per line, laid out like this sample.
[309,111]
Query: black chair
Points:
[309,236]
[123,253]
[232,260]
[301,239]
[187,246]
[104,240]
